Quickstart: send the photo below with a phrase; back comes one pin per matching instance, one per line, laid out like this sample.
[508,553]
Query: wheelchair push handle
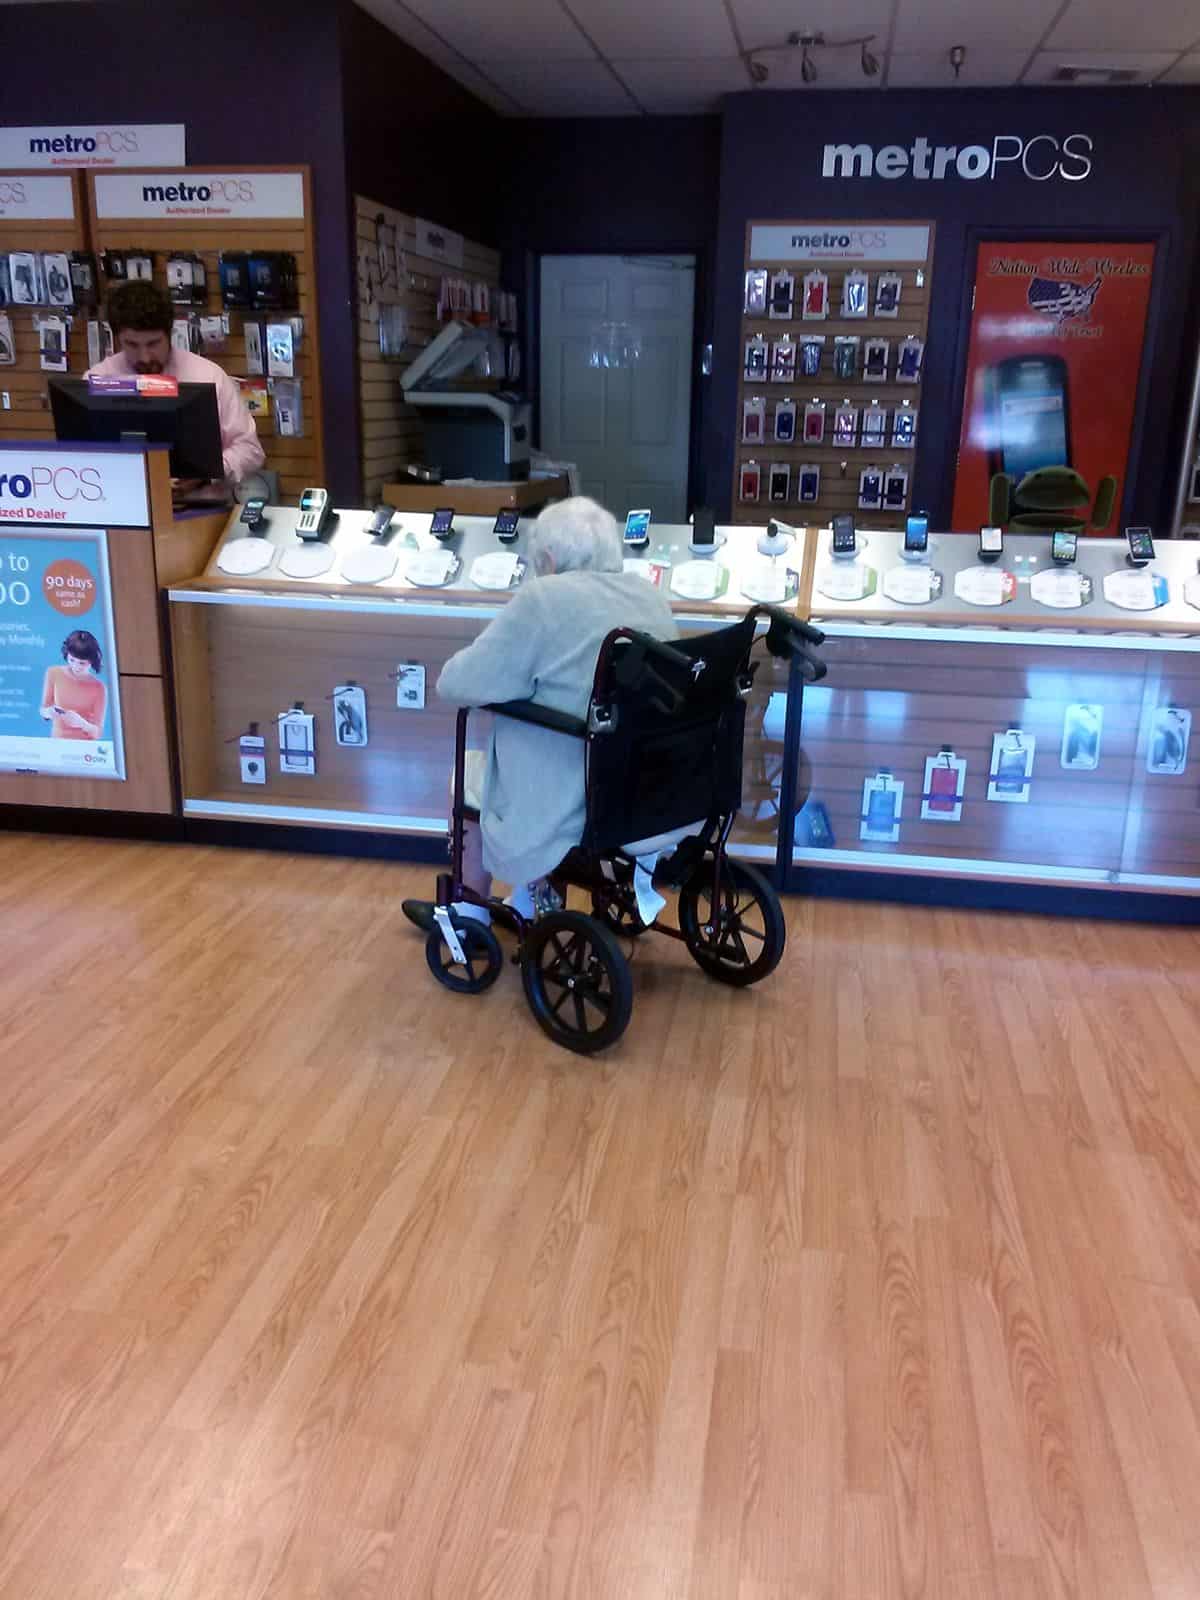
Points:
[792,640]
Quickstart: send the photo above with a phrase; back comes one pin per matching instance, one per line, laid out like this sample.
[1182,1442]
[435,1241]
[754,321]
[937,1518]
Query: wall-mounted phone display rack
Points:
[841,465]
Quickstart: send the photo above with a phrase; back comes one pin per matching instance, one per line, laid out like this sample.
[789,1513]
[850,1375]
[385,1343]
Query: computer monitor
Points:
[188,422]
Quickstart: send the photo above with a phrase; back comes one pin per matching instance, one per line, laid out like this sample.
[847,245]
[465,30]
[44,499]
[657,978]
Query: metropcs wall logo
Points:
[73,488]
[104,145]
[203,195]
[1038,159]
[218,196]
[36,199]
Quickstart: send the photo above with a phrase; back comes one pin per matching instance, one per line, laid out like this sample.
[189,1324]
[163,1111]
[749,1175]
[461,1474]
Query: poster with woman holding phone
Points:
[74,699]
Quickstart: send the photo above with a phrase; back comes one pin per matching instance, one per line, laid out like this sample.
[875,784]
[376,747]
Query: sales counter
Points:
[88,540]
[352,631]
[1017,722]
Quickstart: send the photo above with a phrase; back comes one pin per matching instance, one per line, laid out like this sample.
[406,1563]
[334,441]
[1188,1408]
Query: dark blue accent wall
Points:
[1145,182]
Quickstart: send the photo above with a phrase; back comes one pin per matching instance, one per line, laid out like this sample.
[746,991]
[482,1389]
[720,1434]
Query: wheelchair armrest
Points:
[791,639]
[541,717]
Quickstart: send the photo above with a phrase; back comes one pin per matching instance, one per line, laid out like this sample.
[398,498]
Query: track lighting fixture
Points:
[807,43]
[958,54]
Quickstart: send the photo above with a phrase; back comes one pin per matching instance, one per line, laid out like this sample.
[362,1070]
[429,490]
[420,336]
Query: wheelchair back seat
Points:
[665,732]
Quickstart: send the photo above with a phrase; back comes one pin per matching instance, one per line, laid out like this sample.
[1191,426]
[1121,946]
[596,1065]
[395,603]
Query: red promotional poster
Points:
[1052,377]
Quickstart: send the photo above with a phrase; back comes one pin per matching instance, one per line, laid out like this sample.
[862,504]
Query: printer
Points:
[469,433]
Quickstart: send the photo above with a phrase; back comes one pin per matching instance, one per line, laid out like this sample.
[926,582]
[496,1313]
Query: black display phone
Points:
[442,526]
[991,543]
[381,521]
[844,540]
[704,528]
[637,528]
[252,514]
[1141,546]
[1063,547]
[507,522]
[1030,422]
[916,536]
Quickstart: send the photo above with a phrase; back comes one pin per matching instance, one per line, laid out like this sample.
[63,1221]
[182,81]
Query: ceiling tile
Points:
[571,89]
[770,21]
[414,32]
[1114,24]
[937,24]
[1185,71]
[931,69]
[674,88]
[1146,63]
[678,29]
[486,33]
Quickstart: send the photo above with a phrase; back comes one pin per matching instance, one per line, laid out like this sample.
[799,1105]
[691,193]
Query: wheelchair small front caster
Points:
[483,959]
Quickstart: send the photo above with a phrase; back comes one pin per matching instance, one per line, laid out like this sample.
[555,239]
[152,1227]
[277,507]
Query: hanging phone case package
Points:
[281,355]
[56,275]
[84,290]
[1012,766]
[785,422]
[350,715]
[845,427]
[52,342]
[756,292]
[297,744]
[870,489]
[256,355]
[945,780]
[1170,734]
[904,427]
[213,334]
[756,359]
[24,278]
[815,299]
[780,482]
[1082,725]
[856,294]
[845,357]
[782,294]
[814,422]
[882,799]
[140,265]
[748,481]
[895,488]
[783,360]
[5,281]
[874,427]
[811,349]
[809,484]
[289,408]
[875,360]
[754,414]
[887,294]
[909,360]
[8,344]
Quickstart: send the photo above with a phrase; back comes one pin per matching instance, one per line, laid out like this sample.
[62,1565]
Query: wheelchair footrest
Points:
[677,868]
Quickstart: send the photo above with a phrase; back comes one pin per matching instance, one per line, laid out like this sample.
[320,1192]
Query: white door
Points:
[627,428]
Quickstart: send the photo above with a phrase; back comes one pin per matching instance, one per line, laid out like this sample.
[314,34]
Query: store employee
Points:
[141,316]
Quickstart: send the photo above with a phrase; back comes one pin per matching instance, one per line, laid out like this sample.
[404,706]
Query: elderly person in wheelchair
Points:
[616,743]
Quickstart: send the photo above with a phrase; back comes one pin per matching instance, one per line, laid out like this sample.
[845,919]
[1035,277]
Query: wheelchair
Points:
[663,742]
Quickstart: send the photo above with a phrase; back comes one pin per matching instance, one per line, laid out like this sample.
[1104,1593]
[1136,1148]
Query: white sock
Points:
[472,912]
[521,901]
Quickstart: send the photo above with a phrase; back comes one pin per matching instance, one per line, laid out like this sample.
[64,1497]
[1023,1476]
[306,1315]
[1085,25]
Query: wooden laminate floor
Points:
[319,1283]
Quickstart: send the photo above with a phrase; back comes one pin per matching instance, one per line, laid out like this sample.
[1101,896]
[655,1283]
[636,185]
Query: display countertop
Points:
[474,567]
[1022,589]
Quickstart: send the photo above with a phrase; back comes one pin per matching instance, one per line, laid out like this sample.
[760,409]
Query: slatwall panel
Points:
[301,461]
[391,431]
[28,413]
[887,704]
[839,489]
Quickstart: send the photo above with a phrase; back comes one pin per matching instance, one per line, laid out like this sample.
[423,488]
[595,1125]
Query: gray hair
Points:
[575,535]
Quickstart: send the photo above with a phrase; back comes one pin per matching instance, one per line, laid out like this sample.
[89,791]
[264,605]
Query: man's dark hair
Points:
[140,307]
[84,646]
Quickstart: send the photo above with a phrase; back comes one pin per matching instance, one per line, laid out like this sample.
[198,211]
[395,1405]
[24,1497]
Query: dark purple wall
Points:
[416,139]
[605,186]
[231,71]
[1145,181]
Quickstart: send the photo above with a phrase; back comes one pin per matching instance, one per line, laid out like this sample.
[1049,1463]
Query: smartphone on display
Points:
[442,525]
[637,528]
[844,541]
[381,521]
[991,543]
[507,522]
[1141,546]
[704,528]
[1063,547]
[252,513]
[916,536]
[1028,425]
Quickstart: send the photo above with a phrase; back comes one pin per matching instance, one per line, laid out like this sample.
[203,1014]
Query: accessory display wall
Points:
[840,466]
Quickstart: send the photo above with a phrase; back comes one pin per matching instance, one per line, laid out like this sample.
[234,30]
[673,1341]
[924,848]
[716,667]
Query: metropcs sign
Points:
[108,145]
[1039,159]
[201,195]
[65,488]
[26,199]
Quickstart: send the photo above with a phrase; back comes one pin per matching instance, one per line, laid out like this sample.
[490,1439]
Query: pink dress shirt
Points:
[240,448]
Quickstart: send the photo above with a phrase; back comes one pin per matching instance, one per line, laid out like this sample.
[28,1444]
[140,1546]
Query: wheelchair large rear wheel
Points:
[577,981]
[741,939]
[484,958]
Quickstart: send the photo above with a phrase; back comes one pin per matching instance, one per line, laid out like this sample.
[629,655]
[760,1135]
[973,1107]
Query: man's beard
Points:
[148,366]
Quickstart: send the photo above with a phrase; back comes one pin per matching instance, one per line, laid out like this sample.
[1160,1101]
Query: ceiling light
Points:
[808,67]
[958,55]
[758,70]
[1095,75]
[807,43]
[870,62]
